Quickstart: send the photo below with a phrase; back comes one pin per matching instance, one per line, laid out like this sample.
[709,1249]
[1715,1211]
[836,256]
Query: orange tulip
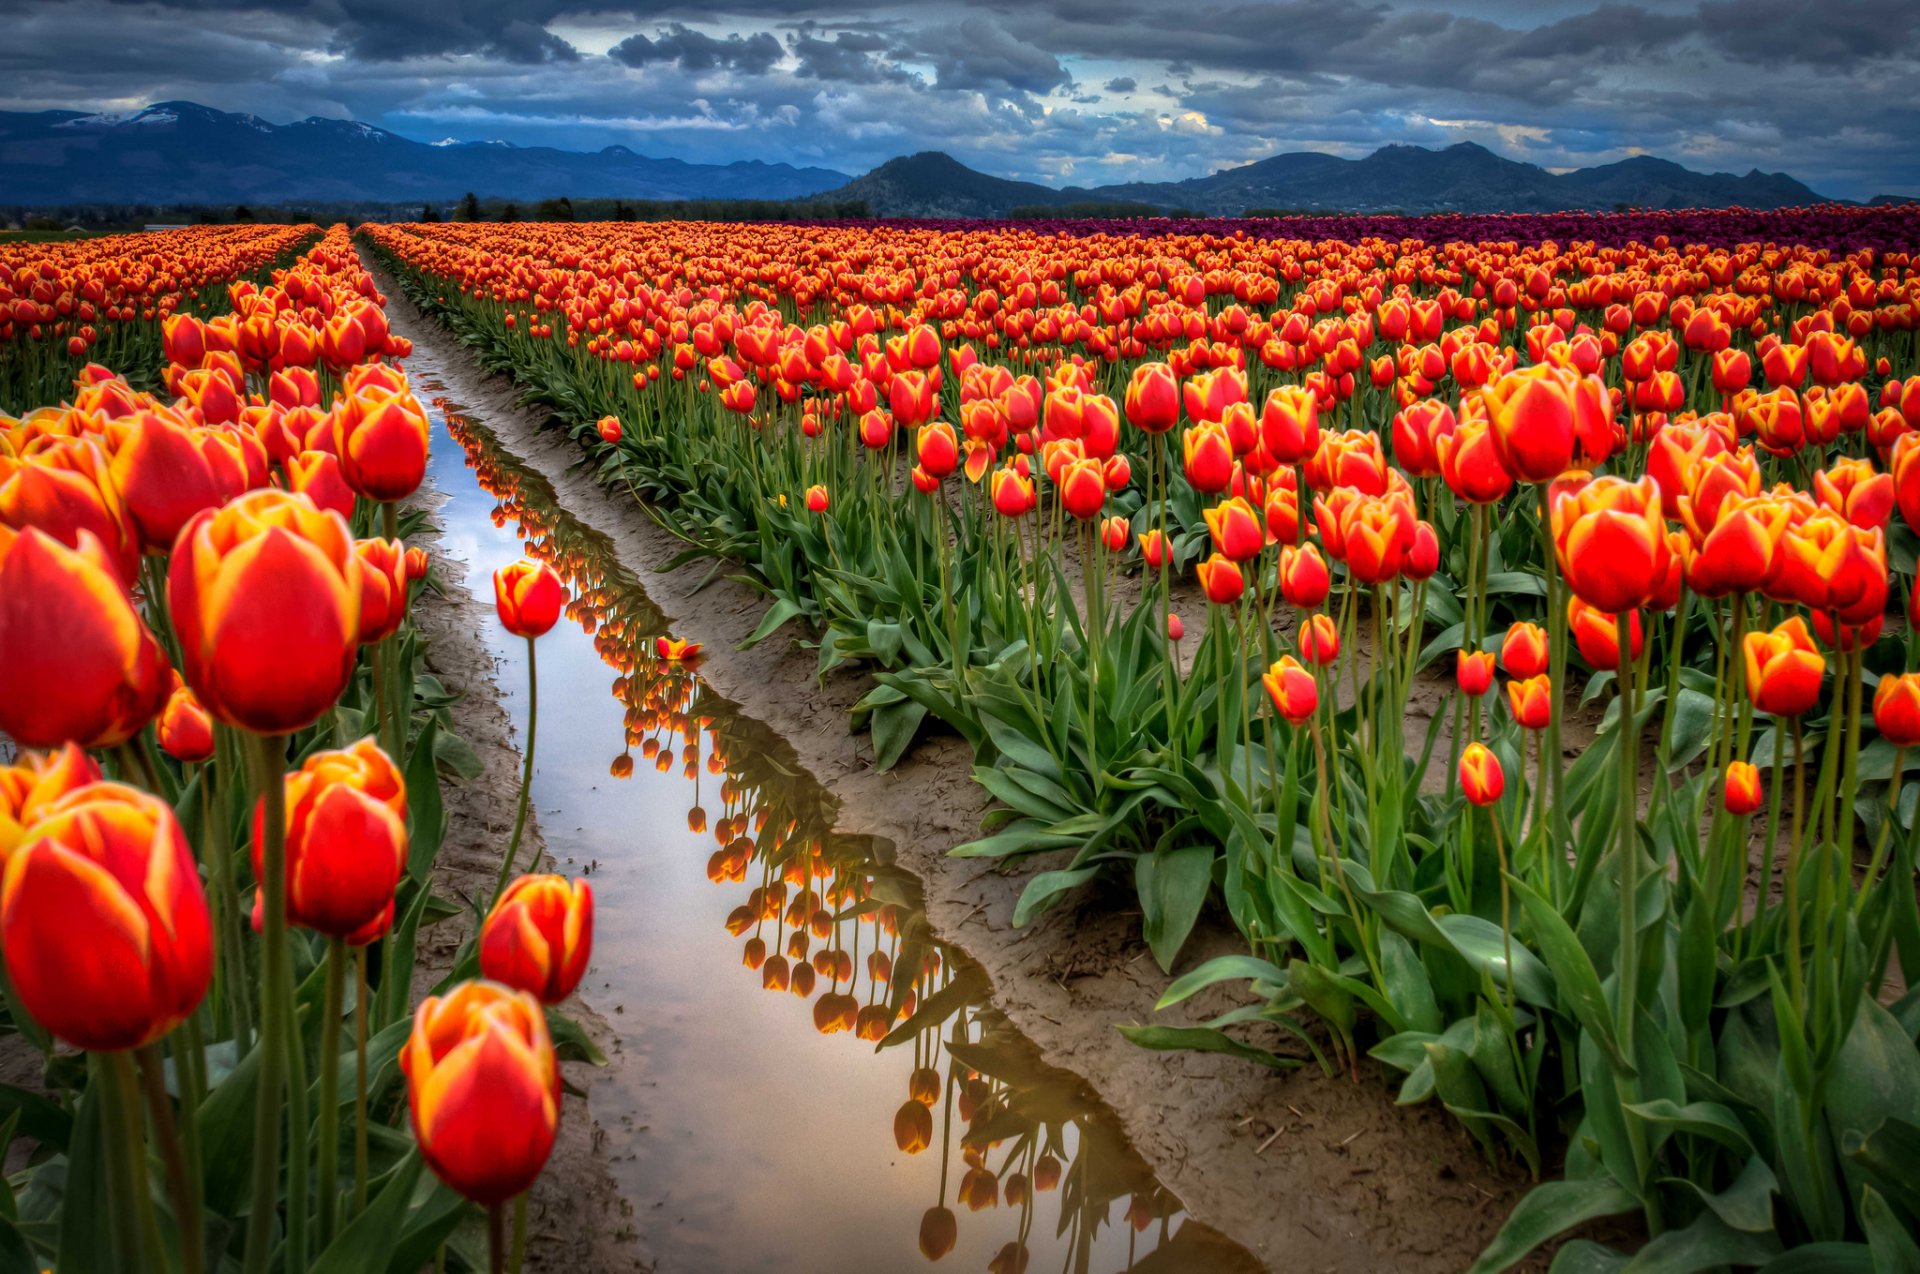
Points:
[1236,529]
[1740,789]
[539,936]
[1896,708]
[163,478]
[1543,418]
[33,783]
[483,1088]
[1208,454]
[1852,489]
[528,596]
[383,587]
[1319,639]
[1740,552]
[76,662]
[1597,634]
[1012,492]
[382,441]
[1153,398]
[1524,650]
[939,1231]
[1220,579]
[1304,579]
[610,431]
[1469,464]
[103,921]
[1828,564]
[1083,488]
[1290,424]
[184,729]
[937,448]
[1784,669]
[1531,701]
[1473,672]
[817,499]
[676,650]
[1292,688]
[1481,778]
[1610,541]
[912,1127]
[346,840]
[63,488]
[316,475]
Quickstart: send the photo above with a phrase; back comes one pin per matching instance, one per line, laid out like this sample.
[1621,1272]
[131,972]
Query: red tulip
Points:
[1784,669]
[539,936]
[529,597]
[1481,778]
[1740,789]
[346,840]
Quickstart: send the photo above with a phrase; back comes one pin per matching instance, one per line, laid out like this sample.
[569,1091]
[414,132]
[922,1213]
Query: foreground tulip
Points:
[1235,529]
[1481,778]
[183,728]
[1304,580]
[1473,672]
[1543,419]
[382,440]
[103,921]
[265,597]
[1292,688]
[1784,669]
[483,1089]
[1531,701]
[528,596]
[1611,541]
[1319,639]
[1896,709]
[163,478]
[346,839]
[383,588]
[1152,399]
[609,427]
[1220,579]
[76,662]
[1597,634]
[1740,790]
[539,936]
[1523,651]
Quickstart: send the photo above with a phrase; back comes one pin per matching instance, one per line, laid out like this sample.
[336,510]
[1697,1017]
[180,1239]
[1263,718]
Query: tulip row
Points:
[64,304]
[1382,436]
[826,921]
[192,598]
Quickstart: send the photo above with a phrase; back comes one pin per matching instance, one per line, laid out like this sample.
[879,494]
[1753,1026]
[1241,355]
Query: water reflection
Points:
[933,1127]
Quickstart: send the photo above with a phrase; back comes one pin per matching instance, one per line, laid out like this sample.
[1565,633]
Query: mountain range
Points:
[1461,178]
[184,153]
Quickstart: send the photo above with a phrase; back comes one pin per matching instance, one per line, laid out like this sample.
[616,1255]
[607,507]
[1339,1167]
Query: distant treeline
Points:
[113,217]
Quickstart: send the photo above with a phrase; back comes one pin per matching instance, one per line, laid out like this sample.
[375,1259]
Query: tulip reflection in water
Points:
[1026,1153]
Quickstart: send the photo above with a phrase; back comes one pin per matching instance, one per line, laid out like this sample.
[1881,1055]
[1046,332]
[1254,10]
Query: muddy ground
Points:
[1310,1173]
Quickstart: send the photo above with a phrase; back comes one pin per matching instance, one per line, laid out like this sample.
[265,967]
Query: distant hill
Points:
[181,152]
[1461,178]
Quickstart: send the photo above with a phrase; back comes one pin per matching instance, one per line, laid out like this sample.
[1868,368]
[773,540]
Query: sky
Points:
[1059,91]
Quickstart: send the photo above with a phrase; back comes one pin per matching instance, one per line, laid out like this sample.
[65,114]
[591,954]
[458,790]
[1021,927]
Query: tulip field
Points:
[221,806]
[1504,627]
[1643,481]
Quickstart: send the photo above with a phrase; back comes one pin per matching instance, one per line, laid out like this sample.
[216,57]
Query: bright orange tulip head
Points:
[1469,464]
[1544,419]
[383,587]
[1784,669]
[1828,564]
[64,487]
[346,840]
[184,729]
[1220,579]
[1851,488]
[1236,529]
[817,499]
[1473,672]
[1153,398]
[1292,688]
[102,918]
[163,478]
[938,448]
[77,664]
[1083,488]
[539,936]
[1611,541]
[1531,701]
[1597,635]
[483,1088]
[316,475]
[1740,553]
[609,429]
[1740,789]
[1290,423]
[1319,639]
[35,781]
[1896,708]
[1524,650]
[1481,778]
[528,596]
[1208,454]
[265,598]
[382,440]
[1012,492]
[1304,578]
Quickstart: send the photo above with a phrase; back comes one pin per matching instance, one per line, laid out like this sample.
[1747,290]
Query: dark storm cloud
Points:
[1818,88]
[697,51]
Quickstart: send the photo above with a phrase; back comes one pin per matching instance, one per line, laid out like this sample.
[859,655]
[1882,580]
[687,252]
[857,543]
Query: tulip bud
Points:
[184,729]
[1784,670]
[1220,579]
[939,1231]
[1531,701]
[1524,650]
[528,596]
[1292,688]
[817,499]
[382,441]
[1481,778]
[346,840]
[483,1089]
[383,587]
[1597,635]
[1237,532]
[1740,789]
[265,597]
[1319,639]
[1176,630]
[1896,709]
[539,936]
[1304,579]
[1473,672]
[610,431]
[103,922]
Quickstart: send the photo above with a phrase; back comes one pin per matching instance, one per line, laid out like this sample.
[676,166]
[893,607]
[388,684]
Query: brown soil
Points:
[1308,1172]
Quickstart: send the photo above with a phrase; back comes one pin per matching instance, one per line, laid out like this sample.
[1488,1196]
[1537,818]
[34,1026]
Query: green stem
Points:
[269,771]
[132,1136]
[329,1171]
[180,1182]
[526,775]
[519,1254]
[360,1147]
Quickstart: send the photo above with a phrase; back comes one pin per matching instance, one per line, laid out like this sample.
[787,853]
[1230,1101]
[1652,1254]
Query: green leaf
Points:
[570,1041]
[1173,887]
[1204,1039]
[1551,1209]
[369,1239]
[777,614]
[1894,1251]
[1573,973]
[1693,721]
[1747,1204]
[46,1122]
[86,1244]
[1045,889]
[894,726]
[1822,1258]
[1522,583]
[1707,1244]
[1701,1118]
[16,1254]
[1219,969]
[426,816]
[1481,944]
[226,1135]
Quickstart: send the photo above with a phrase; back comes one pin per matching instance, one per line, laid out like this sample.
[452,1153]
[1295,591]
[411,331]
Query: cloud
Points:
[1121,84]
[696,51]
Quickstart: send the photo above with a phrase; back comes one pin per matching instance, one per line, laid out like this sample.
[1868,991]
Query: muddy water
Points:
[804,1079]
